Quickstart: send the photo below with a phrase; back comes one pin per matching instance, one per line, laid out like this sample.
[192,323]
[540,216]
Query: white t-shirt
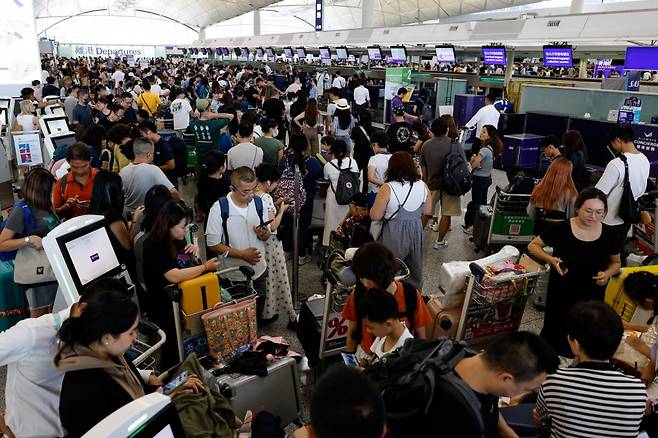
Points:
[118,76]
[612,183]
[361,95]
[487,115]
[180,109]
[380,163]
[241,233]
[156,89]
[331,109]
[244,154]
[33,384]
[339,82]
[331,173]
[417,197]
[138,179]
[378,344]
[268,206]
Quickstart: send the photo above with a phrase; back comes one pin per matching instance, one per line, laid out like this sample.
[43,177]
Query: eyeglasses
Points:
[247,192]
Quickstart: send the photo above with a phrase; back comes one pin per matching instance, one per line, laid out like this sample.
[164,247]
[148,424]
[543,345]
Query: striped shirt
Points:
[593,399]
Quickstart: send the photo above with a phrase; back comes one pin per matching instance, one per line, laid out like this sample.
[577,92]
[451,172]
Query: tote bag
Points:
[32,267]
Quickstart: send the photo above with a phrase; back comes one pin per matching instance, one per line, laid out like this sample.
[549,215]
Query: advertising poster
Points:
[28,149]
[396,77]
[630,111]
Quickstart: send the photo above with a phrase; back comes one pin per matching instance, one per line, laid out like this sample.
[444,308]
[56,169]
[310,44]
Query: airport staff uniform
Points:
[487,115]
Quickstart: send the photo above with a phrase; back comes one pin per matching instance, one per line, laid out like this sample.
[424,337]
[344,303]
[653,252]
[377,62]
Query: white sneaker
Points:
[434,226]
[468,230]
[304,260]
[438,244]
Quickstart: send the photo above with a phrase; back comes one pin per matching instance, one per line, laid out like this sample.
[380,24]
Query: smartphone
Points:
[175,383]
[264,224]
[350,360]
[562,266]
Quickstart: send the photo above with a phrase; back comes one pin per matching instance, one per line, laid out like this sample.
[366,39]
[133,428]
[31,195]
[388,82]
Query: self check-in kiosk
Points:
[54,141]
[80,251]
[53,124]
[151,416]
[55,109]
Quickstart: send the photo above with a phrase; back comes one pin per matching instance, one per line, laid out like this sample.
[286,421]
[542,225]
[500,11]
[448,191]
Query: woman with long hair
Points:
[27,224]
[553,198]
[170,260]
[482,164]
[422,134]
[576,151]
[403,205]
[453,132]
[309,124]
[343,123]
[335,213]
[361,137]
[585,256]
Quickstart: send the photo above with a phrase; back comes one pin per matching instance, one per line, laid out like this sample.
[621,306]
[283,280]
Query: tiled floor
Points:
[459,248]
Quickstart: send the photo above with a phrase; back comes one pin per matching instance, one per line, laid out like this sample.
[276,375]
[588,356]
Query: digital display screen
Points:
[245,52]
[341,53]
[494,56]
[288,52]
[558,56]
[92,255]
[325,53]
[270,52]
[184,51]
[238,51]
[445,54]
[56,125]
[260,52]
[195,51]
[64,140]
[374,53]
[301,53]
[226,51]
[641,58]
[398,54]
[218,51]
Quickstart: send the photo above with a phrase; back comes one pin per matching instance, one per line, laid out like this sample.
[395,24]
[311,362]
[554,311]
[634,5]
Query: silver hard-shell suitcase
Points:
[277,393]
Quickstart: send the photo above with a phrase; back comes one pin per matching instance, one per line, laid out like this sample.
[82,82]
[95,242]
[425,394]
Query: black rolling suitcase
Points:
[481,226]
[309,329]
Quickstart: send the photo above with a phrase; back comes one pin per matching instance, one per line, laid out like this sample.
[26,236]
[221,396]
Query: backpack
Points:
[286,187]
[29,225]
[629,209]
[425,111]
[412,380]
[224,209]
[179,151]
[347,184]
[410,306]
[456,179]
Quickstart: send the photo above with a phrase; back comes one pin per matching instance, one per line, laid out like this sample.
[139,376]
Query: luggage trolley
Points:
[492,308]
[645,236]
[510,222]
[145,350]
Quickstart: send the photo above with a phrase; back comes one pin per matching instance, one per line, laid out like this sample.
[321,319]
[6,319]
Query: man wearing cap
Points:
[397,101]
[207,129]
[399,133]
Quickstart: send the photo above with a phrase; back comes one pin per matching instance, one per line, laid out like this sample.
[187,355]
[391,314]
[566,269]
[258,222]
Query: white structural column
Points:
[202,34]
[368,13]
[509,68]
[577,6]
[256,22]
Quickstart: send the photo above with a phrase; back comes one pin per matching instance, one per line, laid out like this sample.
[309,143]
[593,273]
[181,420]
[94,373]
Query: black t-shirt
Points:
[400,137]
[274,109]
[252,94]
[296,109]
[210,190]
[161,154]
[50,90]
[159,261]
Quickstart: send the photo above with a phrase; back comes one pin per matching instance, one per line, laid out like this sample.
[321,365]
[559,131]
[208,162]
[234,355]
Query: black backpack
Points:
[347,184]
[415,378]
[629,209]
[456,179]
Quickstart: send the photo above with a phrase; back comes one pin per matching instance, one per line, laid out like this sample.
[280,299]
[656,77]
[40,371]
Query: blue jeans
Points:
[478,197]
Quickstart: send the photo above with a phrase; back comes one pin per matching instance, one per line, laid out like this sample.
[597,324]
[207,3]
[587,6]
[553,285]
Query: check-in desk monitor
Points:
[54,123]
[54,141]
[80,251]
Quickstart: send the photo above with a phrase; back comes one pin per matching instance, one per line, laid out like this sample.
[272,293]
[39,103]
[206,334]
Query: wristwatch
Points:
[27,241]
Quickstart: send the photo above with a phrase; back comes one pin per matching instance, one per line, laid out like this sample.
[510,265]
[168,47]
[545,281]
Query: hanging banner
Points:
[319,15]
[396,78]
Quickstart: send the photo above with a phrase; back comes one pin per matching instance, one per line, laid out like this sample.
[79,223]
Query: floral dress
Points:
[279,297]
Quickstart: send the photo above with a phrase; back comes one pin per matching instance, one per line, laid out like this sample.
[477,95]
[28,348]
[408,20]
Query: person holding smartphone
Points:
[99,378]
[72,192]
[585,256]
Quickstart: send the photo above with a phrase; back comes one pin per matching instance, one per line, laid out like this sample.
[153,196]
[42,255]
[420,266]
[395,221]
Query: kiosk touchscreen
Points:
[53,124]
[80,251]
[55,109]
[54,141]
[151,416]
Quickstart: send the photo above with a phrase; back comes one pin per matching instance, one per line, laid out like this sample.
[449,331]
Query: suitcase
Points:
[198,294]
[481,227]
[231,326]
[13,304]
[277,393]
[309,330]
[444,321]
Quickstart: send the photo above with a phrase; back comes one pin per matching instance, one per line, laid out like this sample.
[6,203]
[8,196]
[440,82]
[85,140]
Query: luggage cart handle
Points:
[247,271]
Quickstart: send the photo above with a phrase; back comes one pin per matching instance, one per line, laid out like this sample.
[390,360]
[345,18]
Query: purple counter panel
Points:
[521,150]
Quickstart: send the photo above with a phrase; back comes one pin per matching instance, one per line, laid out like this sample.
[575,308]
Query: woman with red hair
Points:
[553,198]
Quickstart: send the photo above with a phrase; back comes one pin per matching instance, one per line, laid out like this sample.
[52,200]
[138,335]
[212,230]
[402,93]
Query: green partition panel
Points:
[447,88]
[578,101]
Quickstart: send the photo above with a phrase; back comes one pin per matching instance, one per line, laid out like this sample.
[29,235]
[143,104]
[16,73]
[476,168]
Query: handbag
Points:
[32,267]
[230,327]
[376,227]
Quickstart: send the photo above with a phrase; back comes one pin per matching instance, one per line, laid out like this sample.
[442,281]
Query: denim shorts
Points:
[41,296]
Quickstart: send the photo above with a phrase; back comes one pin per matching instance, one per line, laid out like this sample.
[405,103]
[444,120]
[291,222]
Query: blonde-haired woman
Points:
[26,120]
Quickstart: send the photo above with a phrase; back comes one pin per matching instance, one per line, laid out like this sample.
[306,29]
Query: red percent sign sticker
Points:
[337,327]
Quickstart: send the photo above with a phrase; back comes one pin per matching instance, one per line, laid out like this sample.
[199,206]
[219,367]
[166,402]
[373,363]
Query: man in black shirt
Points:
[400,135]
[163,156]
[50,89]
